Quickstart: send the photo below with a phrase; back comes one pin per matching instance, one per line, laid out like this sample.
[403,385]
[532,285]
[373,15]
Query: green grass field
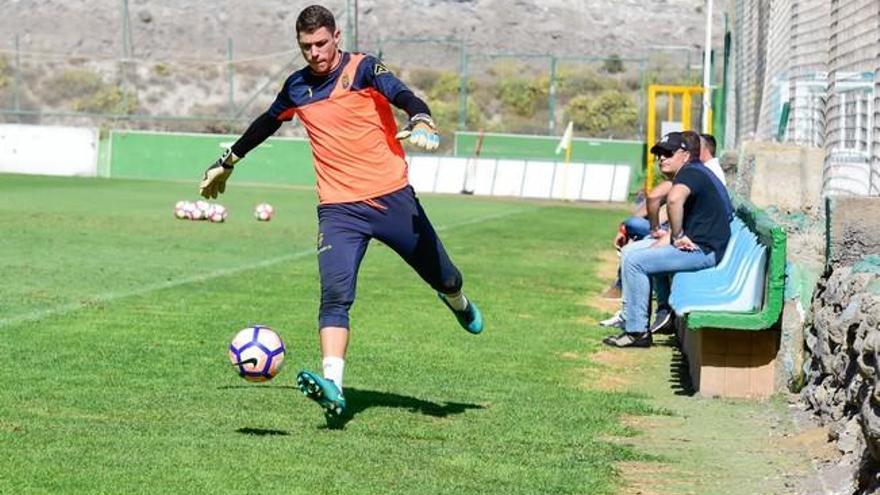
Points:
[115,319]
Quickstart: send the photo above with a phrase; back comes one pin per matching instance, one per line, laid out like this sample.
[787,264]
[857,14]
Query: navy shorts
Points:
[397,220]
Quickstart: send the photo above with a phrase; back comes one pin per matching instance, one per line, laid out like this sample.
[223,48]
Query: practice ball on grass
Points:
[218,213]
[181,209]
[264,212]
[257,353]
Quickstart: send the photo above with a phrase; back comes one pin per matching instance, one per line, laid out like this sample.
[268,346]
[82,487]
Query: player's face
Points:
[320,48]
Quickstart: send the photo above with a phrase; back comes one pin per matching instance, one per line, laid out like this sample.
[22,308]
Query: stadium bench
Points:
[728,315]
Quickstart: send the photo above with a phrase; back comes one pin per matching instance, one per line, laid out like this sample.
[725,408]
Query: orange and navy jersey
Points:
[348,118]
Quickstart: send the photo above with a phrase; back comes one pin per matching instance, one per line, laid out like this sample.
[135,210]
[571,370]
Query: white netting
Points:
[820,62]
[852,58]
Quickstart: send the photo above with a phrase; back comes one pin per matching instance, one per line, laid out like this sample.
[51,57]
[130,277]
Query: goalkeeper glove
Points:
[421,132]
[214,181]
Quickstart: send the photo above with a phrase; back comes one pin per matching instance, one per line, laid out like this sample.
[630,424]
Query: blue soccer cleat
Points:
[322,391]
[470,318]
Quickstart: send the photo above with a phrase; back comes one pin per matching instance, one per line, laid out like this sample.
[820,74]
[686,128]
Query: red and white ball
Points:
[218,213]
[181,209]
[264,212]
[257,353]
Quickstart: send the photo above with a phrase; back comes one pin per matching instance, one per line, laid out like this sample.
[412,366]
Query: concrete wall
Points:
[785,176]
[48,150]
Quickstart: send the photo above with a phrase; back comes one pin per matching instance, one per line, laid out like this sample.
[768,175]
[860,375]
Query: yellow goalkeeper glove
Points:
[421,132]
[214,181]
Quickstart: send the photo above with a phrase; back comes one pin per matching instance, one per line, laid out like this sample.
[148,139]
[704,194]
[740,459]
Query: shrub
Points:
[610,114]
[613,64]
[109,99]
[71,85]
[521,96]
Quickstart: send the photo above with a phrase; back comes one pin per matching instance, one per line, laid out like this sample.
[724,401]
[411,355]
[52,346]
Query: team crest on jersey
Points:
[346,82]
[380,69]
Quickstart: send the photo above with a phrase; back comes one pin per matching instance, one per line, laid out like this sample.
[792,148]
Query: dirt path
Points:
[703,446]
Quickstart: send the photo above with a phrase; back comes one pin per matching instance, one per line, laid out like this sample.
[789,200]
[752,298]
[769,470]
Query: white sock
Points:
[333,368]
[457,301]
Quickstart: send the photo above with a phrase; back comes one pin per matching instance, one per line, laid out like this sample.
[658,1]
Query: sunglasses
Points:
[663,154]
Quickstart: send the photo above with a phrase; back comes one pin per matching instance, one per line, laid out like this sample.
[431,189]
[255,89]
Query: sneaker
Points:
[470,318]
[629,340]
[662,321]
[322,391]
[616,321]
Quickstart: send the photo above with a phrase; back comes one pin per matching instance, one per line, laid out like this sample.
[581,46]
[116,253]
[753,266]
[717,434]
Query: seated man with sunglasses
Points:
[699,228]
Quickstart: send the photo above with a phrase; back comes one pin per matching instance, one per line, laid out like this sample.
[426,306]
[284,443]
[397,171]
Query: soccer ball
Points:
[257,352]
[194,212]
[218,213]
[263,212]
[181,209]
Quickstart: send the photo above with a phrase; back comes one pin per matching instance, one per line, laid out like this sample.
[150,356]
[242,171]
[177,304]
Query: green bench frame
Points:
[773,237]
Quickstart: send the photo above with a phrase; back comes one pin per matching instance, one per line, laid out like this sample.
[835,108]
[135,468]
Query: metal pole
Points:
[126,31]
[551,100]
[707,71]
[462,89]
[16,96]
[355,25]
[643,112]
[349,35]
[231,76]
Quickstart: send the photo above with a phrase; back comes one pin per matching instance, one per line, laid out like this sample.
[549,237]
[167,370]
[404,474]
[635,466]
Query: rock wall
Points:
[843,369]
[854,229]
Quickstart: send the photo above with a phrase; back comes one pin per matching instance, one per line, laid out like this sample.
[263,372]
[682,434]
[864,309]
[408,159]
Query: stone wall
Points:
[854,231]
[843,369]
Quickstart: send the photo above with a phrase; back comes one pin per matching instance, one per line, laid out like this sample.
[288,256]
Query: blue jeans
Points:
[660,283]
[637,227]
[639,265]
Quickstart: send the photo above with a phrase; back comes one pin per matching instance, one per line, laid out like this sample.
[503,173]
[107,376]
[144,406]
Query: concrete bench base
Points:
[730,363]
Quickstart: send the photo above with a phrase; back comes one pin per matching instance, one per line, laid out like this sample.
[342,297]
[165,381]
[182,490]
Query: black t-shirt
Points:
[706,210]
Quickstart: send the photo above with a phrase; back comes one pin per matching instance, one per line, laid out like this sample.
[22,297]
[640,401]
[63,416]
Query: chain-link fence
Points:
[806,73]
[129,71]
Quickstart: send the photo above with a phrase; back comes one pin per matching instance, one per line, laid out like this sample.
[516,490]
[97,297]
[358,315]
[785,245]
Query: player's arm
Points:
[420,129]
[214,180]
[654,201]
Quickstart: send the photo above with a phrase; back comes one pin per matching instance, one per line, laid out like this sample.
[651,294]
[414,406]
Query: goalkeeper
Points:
[342,100]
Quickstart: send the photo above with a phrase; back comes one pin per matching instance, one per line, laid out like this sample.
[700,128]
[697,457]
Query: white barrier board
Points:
[48,150]
[520,178]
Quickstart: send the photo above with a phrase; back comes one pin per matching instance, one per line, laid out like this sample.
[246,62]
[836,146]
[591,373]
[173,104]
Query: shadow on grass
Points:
[679,375]
[256,385]
[259,432]
[360,400]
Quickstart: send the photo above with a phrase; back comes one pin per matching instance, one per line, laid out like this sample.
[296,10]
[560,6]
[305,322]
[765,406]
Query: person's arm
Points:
[675,209]
[420,129]
[260,129]
[654,201]
[214,181]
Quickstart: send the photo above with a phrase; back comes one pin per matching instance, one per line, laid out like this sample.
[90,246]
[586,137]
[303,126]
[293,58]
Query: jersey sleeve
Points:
[283,107]
[374,74]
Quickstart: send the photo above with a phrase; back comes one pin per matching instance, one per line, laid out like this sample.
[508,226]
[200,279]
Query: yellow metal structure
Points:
[679,105]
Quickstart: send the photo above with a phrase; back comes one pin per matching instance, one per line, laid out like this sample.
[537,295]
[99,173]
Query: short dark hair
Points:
[313,18]
[692,142]
[709,141]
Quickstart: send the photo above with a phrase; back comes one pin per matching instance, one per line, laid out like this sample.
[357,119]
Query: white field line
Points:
[168,284]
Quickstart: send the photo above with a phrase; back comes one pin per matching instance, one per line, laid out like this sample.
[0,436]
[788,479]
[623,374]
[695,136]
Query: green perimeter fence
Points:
[171,156]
